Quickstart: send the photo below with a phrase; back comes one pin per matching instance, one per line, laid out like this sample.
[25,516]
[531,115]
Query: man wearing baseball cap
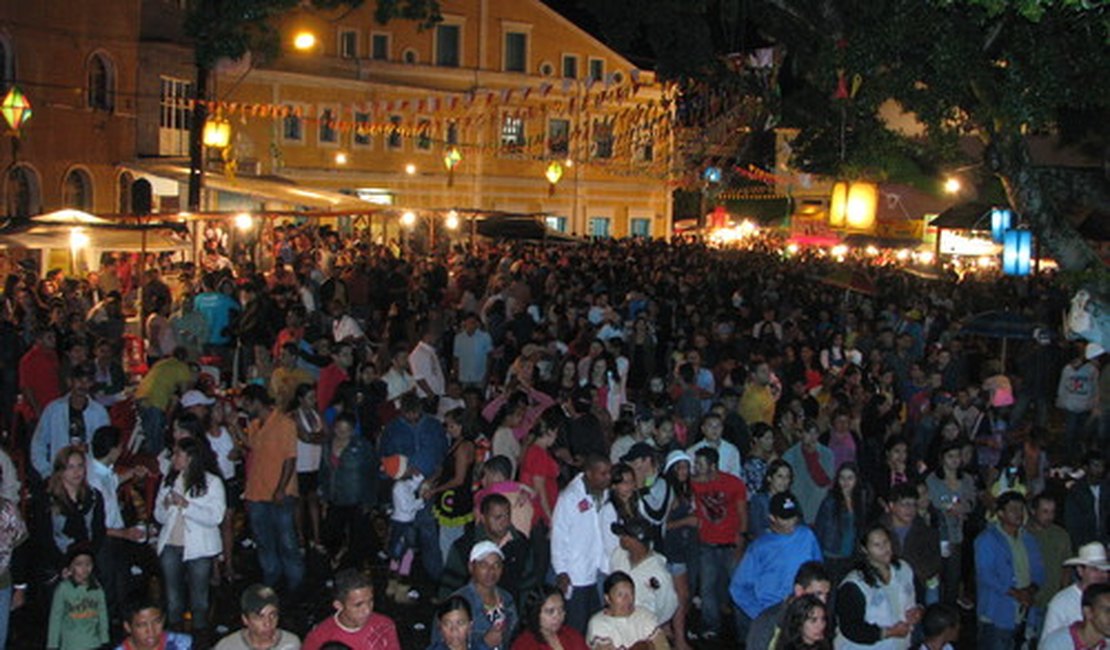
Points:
[766,574]
[499,624]
[260,611]
[1091,566]
[654,585]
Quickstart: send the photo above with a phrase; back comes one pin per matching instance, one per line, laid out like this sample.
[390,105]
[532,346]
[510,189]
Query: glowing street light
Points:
[451,160]
[553,174]
[304,41]
[217,133]
[16,109]
[410,169]
[244,221]
[341,158]
[952,185]
[408,218]
[452,220]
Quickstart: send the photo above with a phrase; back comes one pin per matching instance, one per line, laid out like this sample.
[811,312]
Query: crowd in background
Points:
[614,444]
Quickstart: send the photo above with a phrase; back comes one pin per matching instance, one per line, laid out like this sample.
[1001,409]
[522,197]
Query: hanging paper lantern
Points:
[1001,220]
[553,173]
[1017,251]
[16,109]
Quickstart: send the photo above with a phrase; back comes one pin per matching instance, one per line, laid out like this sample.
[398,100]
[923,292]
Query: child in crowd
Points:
[941,626]
[79,611]
[402,534]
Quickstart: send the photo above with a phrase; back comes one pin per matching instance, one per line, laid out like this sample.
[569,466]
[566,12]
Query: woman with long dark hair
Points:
[778,478]
[190,506]
[311,433]
[545,628]
[680,536]
[452,491]
[842,514]
[876,606]
[952,492]
[804,625]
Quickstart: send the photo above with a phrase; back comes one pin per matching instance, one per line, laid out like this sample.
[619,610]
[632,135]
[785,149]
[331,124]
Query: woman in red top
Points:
[545,618]
[540,471]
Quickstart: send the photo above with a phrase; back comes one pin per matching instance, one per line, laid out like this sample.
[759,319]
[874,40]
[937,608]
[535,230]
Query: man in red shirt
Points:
[354,623]
[335,373]
[722,509]
[40,378]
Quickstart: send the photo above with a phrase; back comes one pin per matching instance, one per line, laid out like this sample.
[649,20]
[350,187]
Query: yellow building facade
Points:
[509,88]
[76,63]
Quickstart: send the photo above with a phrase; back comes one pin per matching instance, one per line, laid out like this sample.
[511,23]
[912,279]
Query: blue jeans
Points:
[584,603]
[427,537]
[5,614]
[715,570]
[995,638]
[1076,432]
[274,532]
[154,428]
[196,573]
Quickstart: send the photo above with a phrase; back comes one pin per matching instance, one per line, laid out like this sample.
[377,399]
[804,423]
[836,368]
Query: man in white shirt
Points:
[113,557]
[70,419]
[712,428]
[1092,631]
[398,380]
[471,353]
[1091,568]
[425,366]
[577,540]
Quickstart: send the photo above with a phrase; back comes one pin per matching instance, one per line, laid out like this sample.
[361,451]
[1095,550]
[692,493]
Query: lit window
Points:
[512,134]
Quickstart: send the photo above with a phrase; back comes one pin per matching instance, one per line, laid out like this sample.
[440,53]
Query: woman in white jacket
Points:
[190,507]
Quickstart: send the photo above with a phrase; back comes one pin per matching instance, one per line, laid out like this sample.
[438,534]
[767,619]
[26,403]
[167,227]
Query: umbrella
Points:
[850,280]
[1000,324]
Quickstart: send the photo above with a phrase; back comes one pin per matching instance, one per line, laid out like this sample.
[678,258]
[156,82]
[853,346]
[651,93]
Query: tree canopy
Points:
[997,70]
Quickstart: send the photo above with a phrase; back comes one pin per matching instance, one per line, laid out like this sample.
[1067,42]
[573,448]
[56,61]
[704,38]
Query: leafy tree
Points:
[998,70]
[230,29]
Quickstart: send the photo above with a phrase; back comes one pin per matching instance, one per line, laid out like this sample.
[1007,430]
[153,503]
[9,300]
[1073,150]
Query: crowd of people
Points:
[605,445]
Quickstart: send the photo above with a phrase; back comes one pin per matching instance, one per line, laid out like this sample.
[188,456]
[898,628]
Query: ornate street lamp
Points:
[553,174]
[16,109]
[451,160]
[217,133]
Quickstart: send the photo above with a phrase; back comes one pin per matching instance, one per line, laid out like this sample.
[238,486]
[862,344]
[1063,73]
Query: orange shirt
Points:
[271,444]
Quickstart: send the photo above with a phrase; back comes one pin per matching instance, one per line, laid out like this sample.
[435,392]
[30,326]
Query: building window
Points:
[424,134]
[126,180]
[516,52]
[362,129]
[558,137]
[640,227]
[597,69]
[379,47]
[556,223]
[452,135]
[329,134]
[447,45]
[395,141]
[292,125]
[603,139]
[7,64]
[643,145]
[22,191]
[570,66]
[101,83]
[409,56]
[599,227]
[77,190]
[512,134]
[175,119]
[348,44]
